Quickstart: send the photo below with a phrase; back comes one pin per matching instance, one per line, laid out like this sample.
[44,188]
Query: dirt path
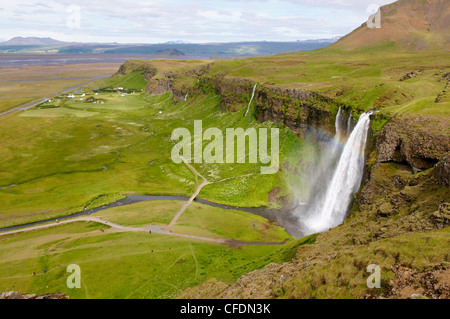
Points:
[197,191]
[148,229]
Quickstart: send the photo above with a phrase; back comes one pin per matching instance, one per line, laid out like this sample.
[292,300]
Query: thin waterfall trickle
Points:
[329,203]
[250,103]
[338,136]
[349,124]
[338,124]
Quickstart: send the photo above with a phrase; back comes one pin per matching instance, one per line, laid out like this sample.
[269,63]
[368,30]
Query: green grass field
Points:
[74,151]
[76,154]
[123,265]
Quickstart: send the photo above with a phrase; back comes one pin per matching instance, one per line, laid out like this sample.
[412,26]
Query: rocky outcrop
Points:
[16,295]
[420,142]
[166,83]
[443,170]
[411,75]
[159,86]
[411,283]
[146,69]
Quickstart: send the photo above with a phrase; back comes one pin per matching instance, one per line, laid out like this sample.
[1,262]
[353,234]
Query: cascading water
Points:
[349,124]
[250,103]
[338,124]
[329,207]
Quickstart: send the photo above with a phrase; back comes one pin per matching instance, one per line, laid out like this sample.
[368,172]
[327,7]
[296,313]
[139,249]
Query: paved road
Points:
[36,102]
[43,80]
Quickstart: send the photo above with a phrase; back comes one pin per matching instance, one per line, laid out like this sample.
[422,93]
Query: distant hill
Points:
[177,42]
[31,41]
[173,49]
[410,24]
[169,52]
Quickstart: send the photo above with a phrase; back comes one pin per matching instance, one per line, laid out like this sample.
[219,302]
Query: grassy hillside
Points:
[407,24]
[78,154]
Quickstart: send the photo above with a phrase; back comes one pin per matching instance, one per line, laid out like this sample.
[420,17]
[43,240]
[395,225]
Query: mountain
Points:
[202,50]
[410,24]
[177,42]
[169,52]
[31,41]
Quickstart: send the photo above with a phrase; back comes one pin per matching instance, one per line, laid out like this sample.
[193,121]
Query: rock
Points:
[409,283]
[417,296]
[411,75]
[443,170]
[53,296]
[16,295]
[441,218]
[398,182]
[11,295]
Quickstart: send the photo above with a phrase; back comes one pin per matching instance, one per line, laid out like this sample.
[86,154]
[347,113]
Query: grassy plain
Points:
[76,154]
[123,265]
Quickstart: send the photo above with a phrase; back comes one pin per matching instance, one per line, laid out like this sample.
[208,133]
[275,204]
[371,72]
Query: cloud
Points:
[191,20]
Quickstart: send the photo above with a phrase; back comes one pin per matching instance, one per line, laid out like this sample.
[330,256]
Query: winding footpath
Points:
[193,197]
[148,229]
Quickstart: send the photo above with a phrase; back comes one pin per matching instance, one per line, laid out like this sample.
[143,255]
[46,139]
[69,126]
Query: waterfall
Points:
[338,124]
[329,209]
[185,98]
[338,136]
[349,124]
[253,95]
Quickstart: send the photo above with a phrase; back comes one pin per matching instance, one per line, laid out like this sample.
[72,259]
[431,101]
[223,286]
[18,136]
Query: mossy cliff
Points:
[297,109]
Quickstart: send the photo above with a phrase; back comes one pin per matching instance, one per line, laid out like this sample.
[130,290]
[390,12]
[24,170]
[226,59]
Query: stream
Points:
[283,217]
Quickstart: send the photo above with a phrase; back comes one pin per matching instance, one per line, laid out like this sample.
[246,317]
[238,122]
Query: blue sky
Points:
[197,21]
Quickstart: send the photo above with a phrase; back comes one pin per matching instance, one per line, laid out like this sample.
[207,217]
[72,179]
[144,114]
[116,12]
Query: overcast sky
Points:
[196,21]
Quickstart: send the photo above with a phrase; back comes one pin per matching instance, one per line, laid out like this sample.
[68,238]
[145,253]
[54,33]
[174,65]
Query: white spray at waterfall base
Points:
[330,210]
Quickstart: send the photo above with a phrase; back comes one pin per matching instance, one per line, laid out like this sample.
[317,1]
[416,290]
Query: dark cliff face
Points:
[299,110]
[296,109]
[413,141]
[412,168]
